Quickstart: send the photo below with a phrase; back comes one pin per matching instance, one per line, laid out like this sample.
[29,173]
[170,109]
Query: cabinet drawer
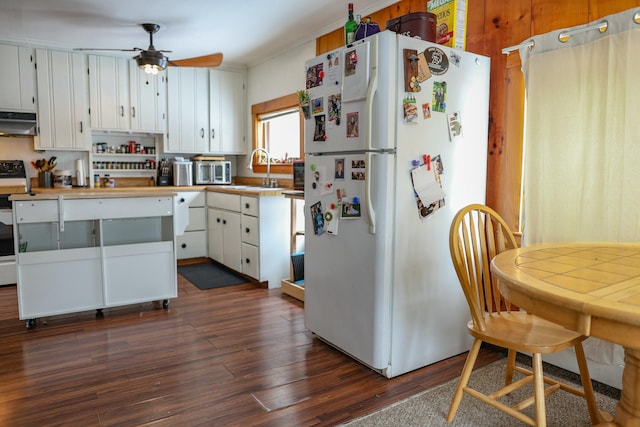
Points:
[230,202]
[192,198]
[250,230]
[249,205]
[197,219]
[250,261]
[192,244]
[40,211]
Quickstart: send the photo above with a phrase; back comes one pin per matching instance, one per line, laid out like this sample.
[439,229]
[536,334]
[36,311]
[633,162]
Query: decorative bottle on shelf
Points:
[350,27]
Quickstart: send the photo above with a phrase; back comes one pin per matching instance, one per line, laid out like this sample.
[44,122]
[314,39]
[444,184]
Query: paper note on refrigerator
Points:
[426,185]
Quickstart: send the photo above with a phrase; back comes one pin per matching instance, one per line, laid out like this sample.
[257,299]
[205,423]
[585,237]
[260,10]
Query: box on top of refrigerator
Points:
[451,18]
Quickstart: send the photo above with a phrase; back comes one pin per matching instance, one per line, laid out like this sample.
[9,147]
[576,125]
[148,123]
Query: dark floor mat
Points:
[210,275]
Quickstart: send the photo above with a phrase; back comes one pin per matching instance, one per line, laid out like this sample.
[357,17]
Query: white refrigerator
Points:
[395,144]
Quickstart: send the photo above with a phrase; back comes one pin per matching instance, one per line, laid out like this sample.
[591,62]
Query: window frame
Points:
[271,106]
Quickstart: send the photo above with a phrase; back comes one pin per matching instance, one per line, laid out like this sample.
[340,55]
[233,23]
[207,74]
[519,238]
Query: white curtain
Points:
[582,133]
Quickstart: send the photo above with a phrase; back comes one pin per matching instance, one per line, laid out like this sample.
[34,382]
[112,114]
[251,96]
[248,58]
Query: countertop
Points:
[38,193]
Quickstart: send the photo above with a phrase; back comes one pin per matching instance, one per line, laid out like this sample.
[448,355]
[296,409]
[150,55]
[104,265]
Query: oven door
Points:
[221,172]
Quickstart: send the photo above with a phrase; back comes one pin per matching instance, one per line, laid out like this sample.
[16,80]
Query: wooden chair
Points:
[478,234]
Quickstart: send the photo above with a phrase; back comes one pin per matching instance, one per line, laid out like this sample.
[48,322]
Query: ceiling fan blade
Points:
[135,49]
[209,61]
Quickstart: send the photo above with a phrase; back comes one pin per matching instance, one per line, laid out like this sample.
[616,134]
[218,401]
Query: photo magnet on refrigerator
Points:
[455,126]
[440,97]
[317,217]
[315,74]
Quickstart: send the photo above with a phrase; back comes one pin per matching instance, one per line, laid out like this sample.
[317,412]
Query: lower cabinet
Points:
[224,237]
[81,254]
[250,234]
[193,242]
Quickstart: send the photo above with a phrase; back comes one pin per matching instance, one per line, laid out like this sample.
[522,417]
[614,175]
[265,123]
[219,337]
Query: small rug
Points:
[210,275]
[429,408]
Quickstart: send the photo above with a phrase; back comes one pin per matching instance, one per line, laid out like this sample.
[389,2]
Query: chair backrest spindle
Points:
[477,235]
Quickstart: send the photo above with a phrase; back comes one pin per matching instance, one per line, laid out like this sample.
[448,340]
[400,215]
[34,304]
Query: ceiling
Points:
[247,32]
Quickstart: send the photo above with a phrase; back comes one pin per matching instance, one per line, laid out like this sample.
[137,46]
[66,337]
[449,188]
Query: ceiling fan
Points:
[152,60]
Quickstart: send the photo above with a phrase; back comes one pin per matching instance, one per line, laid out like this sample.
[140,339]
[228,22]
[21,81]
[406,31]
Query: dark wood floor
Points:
[234,356]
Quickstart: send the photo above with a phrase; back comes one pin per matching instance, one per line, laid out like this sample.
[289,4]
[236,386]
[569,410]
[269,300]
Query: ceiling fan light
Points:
[151,62]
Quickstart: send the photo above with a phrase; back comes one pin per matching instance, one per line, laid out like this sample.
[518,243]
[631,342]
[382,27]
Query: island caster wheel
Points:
[165,304]
[30,323]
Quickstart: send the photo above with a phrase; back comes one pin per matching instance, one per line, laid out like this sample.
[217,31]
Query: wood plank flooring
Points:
[233,356]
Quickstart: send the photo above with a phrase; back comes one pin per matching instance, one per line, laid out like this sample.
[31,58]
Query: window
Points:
[278,127]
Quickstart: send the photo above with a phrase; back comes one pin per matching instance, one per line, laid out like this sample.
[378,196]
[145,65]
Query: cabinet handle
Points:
[247,261]
[81,127]
[247,230]
[213,133]
[182,200]
[133,109]
[246,205]
[122,111]
[224,221]
[201,132]
[184,245]
[218,220]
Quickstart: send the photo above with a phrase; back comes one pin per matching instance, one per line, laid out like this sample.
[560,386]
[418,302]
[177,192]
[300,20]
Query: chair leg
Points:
[538,381]
[586,385]
[464,379]
[511,363]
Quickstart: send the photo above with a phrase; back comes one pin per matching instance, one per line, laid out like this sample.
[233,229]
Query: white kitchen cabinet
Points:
[63,101]
[223,228]
[265,238]
[109,92]
[227,103]
[250,234]
[206,111]
[18,82]
[193,242]
[123,97]
[148,99]
[92,253]
[188,110]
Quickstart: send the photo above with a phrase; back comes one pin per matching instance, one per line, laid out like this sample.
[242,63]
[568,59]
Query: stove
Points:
[13,179]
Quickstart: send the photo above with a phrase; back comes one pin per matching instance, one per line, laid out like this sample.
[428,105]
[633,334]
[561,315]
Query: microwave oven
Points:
[212,172]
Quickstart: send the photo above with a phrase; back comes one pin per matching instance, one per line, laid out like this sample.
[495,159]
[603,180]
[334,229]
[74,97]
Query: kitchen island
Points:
[84,250]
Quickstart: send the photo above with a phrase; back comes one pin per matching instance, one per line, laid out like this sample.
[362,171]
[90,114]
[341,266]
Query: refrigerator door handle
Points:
[371,90]
[371,214]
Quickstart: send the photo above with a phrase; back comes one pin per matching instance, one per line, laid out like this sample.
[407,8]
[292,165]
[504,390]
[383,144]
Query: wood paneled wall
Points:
[491,26]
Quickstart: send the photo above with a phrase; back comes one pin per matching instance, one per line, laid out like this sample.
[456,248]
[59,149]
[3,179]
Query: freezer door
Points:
[346,88]
[347,268]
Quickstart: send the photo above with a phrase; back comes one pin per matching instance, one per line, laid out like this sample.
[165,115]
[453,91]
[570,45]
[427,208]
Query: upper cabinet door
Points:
[17,85]
[63,101]
[109,92]
[148,100]
[188,110]
[227,103]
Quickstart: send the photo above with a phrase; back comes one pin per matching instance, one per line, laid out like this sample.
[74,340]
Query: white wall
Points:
[271,79]
[21,148]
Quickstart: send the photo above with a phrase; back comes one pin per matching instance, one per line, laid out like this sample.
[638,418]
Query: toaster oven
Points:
[212,172]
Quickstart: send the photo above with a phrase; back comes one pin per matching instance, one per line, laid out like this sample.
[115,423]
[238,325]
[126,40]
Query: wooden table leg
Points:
[628,409]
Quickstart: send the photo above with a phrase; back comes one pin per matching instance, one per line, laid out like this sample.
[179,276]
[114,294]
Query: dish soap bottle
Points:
[350,27]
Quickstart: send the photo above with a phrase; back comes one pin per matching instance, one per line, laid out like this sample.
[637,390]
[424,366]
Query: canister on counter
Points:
[62,178]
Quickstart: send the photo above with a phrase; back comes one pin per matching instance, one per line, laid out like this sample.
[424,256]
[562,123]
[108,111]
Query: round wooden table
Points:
[593,289]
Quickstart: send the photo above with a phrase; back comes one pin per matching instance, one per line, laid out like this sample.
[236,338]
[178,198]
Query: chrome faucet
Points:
[266,182]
